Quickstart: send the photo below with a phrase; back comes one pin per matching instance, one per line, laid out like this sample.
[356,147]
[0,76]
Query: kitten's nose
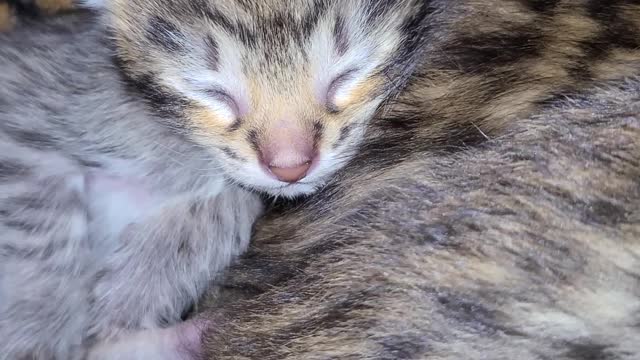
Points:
[287,151]
[288,164]
[291,174]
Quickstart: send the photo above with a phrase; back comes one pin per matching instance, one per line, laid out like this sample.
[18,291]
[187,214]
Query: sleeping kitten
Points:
[130,153]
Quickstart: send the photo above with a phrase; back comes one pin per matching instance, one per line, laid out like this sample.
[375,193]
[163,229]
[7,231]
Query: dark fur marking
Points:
[33,139]
[184,246]
[487,52]
[589,351]
[605,212]
[24,226]
[100,275]
[345,131]
[40,254]
[252,138]
[11,169]
[216,17]
[164,104]
[616,32]
[281,24]
[473,314]
[414,26]
[246,5]
[404,346]
[188,311]
[237,240]
[237,123]
[194,208]
[230,153]
[436,234]
[310,20]
[338,312]
[415,30]
[30,9]
[164,34]
[318,130]
[541,6]
[87,163]
[26,202]
[340,36]
[213,52]
[379,9]
[246,36]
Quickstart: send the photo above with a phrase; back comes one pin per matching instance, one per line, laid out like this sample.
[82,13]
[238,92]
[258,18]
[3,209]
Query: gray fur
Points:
[527,247]
[68,277]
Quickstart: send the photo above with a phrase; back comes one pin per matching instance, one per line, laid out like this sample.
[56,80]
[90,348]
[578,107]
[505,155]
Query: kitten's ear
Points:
[93,4]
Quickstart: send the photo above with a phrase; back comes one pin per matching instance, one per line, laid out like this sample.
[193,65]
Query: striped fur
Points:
[442,76]
[436,244]
[526,247]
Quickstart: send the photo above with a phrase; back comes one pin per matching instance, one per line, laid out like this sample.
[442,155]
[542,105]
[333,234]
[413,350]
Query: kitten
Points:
[131,153]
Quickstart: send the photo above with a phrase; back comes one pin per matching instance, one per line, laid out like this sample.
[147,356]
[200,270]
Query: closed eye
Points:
[334,86]
[221,96]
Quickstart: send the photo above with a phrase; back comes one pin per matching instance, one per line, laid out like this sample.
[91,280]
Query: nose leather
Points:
[287,150]
[291,174]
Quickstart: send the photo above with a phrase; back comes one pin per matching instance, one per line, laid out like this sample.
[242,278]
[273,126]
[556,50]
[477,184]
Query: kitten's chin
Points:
[279,189]
[292,191]
[255,179]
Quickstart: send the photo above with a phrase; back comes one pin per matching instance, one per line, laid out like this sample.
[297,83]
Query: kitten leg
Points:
[163,264]
[178,342]
[43,242]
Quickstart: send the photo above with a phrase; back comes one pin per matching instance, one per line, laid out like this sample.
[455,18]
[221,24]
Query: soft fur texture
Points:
[527,247]
[426,247]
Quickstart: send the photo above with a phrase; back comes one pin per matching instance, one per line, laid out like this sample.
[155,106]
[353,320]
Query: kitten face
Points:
[281,91]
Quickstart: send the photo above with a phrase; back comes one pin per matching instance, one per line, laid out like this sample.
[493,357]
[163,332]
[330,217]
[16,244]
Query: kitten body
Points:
[109,222]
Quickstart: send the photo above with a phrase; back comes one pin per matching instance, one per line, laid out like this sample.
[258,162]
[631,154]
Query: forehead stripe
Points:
[340,38]
[164,34]
[212,52]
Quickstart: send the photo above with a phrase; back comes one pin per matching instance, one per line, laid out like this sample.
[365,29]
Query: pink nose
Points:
[291,174]
[287,151]
[288,165]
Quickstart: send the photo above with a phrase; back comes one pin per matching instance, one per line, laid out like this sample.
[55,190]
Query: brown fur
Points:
[9,8]
[524,248]
[7,18]
[489,62]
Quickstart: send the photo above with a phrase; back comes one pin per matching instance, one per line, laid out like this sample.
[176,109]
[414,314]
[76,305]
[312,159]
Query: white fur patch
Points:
[115,203]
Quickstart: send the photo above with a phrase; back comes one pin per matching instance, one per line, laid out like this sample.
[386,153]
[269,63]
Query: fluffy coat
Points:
[527,247]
